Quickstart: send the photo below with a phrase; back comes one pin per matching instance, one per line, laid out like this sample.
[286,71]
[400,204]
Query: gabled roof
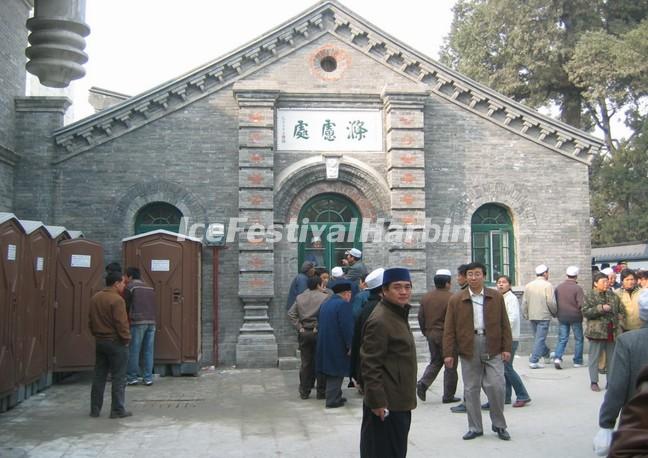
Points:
[633,251]
[163,231]
[326,17]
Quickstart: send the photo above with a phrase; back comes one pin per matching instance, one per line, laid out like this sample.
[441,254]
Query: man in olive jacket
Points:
[388,365]
[477,325]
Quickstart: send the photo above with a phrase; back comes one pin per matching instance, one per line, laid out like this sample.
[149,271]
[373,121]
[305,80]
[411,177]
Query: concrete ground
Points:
[241,413]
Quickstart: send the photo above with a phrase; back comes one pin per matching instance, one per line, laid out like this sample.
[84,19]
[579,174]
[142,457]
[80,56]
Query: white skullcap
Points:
[443,272]
[539,270]
[572,271]
[375,278]
[607,271]
[337,272]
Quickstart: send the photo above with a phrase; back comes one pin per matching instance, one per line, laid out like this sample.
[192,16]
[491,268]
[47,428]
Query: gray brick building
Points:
[325,116]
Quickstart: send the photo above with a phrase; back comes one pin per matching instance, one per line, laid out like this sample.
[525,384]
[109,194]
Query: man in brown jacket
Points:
[109,325]
[477,324]
[388,364]
[304,315]
[431,318]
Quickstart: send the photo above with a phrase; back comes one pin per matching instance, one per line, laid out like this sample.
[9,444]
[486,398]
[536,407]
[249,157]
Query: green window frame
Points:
[329,218]
[493,242]
[157,215]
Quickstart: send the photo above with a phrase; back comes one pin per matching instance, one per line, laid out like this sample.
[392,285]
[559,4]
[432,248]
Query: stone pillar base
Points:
[256,351]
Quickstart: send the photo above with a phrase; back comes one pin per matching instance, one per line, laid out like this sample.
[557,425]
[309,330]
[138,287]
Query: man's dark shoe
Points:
[132,382]
[335,405]
[304,395]
[123,414]
[343,400]
[461,408]
[485,406]
[94,413]
[450,400]
[420,390]
[502,433]
[148,382]
[471,435]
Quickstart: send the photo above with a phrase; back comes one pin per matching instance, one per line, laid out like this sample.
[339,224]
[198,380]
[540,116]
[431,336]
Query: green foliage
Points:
[590,59]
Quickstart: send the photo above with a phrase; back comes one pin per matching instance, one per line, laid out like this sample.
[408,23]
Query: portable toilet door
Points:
[170,263]
[35,313]
[79,275]
[58,234]
[12,238]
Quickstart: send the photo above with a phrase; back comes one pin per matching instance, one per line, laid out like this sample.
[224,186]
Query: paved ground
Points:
[241,413]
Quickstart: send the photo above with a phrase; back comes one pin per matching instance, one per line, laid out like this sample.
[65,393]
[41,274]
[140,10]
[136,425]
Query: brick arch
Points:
[354,183]
[141,194]
[514,198]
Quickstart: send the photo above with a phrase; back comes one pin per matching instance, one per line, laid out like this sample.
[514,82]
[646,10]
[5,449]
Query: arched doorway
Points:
[330,224]
[157,215]
[492,241]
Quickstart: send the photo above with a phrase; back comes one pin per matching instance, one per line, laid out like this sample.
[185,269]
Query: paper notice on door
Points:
[160,265]
[81,260]
[40,263]
[11,252]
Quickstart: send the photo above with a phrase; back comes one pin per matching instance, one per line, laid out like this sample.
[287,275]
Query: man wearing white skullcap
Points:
[539,306]
[569,300]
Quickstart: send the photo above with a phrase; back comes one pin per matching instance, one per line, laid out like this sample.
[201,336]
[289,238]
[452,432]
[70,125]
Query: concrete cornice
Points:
[327,17]
[42,104]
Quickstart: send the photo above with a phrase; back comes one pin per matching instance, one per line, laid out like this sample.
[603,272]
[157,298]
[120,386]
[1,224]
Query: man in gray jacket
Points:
[539,306]
[630,355]
[569,299]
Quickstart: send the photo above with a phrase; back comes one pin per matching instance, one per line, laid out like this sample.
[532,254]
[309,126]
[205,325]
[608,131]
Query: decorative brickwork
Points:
[256,345]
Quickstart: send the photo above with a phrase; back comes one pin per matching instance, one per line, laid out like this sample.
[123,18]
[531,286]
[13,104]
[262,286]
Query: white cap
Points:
[572,271]
[354,252]
[607,271]
[539,270]
[337,272]
[375,278]
[443,272]
[315,239]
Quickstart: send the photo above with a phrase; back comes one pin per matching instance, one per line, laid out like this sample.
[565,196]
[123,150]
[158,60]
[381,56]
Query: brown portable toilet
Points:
[12,237]
[79,275]
[58,234]
[171,263]
[34,316]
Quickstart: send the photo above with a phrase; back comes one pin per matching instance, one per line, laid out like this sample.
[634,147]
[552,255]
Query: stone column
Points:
[257,345]
[404,123]
[34,183]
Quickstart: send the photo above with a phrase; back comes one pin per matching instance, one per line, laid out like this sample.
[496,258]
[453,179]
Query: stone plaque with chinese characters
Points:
[329,130]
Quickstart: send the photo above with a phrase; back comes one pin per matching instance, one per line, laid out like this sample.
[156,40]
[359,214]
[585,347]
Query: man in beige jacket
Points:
[539,306]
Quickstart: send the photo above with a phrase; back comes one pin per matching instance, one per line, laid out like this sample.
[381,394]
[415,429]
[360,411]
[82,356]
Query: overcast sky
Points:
[135,45]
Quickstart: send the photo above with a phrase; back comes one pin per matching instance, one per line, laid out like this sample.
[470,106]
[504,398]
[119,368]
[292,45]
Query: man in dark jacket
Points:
[477,325]
[431,318]
[108,323]
[334,341]
[388,366]
[141,306]
[300,282]
[569,300]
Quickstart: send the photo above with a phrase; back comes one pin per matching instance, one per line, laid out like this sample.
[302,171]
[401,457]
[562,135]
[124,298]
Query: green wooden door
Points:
[330,225]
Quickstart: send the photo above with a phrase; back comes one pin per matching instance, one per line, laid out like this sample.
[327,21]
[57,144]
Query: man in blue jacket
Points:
[334,341]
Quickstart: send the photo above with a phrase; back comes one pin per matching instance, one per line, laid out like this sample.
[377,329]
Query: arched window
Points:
[330,224]
[157,215]
[492,241]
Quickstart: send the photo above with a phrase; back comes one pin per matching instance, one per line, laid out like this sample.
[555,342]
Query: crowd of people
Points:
[355,324]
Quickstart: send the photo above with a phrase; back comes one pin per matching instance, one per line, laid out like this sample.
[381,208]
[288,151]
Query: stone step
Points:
[288,363]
